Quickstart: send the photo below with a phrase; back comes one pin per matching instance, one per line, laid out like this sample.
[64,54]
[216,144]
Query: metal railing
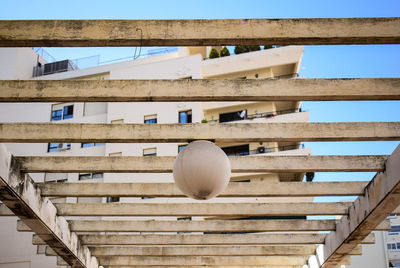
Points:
[267,149]
[263,115]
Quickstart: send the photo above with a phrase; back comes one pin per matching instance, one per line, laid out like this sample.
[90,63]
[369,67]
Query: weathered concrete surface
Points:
[4,210]
[202,260]
[239,164]
[202,209]
[199,90]
[243,132]
[18,193]
[380,199]
[196,226]
[234,189]
[68,33]
[201,226]
[205,239]
[270,250]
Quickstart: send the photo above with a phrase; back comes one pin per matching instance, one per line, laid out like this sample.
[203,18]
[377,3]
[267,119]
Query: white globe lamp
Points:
[202,170]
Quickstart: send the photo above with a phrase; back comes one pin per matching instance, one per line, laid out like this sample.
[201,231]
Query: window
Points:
[180,147]
[112,199]
[115,154]
[60,112]
[185,117]
[395,230]
[56,115]
[90,176]
[150,152]
[237,150]
[150,119]
[91,144]
[233,116]
[57,147]
[68,111]
[117,121]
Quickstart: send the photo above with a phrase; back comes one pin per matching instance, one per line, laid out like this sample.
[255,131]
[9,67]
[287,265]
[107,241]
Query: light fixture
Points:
[202,170]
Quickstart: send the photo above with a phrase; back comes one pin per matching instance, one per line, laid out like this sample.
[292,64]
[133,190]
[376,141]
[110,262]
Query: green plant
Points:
[243,49]
[224,52]
[204,121]
[213,54]
[268,46]
[240,49]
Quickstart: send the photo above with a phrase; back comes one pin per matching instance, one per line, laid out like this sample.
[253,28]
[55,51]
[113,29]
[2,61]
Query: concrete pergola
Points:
[301,244]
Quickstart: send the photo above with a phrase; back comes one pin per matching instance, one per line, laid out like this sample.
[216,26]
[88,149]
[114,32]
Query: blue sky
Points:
[318,61]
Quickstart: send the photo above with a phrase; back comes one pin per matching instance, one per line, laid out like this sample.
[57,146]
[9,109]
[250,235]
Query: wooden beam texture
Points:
[199,90]
[202,209]
[234,189]
[239,132]
[18,193]
[380,199]
[205,239]
[195,226]
[70,33]
[239,164]
[270,250]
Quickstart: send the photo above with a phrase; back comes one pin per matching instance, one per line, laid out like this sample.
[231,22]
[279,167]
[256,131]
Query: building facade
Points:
[186,63]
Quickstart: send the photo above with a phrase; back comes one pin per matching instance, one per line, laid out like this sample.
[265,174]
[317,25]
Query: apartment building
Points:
[186,63]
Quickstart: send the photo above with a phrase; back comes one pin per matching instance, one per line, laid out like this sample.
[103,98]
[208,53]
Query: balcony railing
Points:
[267,149]
[264,115]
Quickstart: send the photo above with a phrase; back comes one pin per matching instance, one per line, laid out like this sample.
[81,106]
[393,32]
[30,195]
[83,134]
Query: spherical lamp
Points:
[202,170]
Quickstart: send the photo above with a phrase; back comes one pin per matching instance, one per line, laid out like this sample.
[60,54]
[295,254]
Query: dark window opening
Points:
[89,176]
[185,117]
[112,199]
[234,116]
[68,111]
[237,150]
[150,121]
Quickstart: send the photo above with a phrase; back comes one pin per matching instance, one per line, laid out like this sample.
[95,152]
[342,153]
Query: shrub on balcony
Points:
[213,54]
[224,52]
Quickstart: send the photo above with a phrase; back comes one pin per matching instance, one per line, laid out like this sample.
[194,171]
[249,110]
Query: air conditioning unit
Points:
[261,150]
[63,146]
[59,66]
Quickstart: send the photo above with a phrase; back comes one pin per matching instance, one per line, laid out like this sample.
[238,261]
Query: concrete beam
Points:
[88,226]
[239,164]
[202,260]
[270,250]
[234,189]
[20,195]
[196,226]
[202,209]
[199,90]
[81,33]
[205,239]
[380,199]
[239,132]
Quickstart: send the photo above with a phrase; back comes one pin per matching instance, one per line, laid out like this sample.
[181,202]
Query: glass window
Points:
[150,119]
[112,199]
[56,147]
[91,144]
[68,111]
[185,117]
[150,152]
[89,176]
[234,116]
[56,115]
[237,150]
[180,147]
